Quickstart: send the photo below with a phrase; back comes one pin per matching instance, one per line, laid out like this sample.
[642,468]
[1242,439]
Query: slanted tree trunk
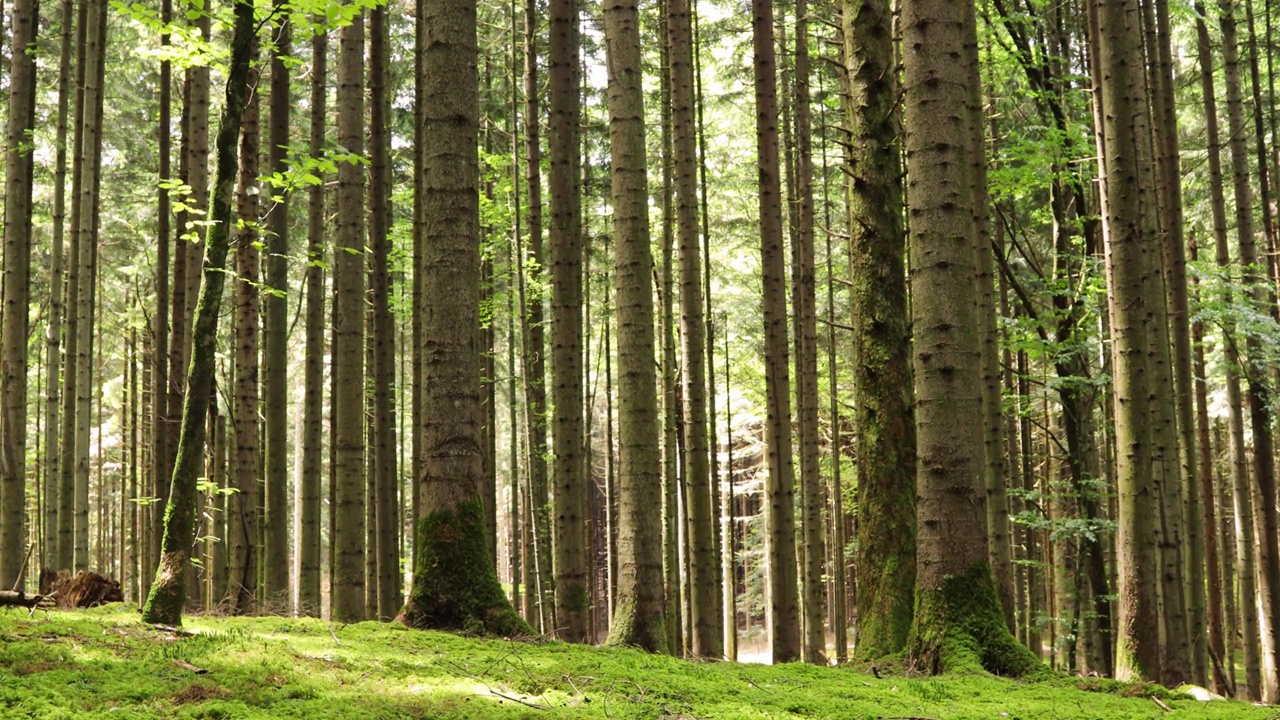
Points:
[959,622]
[168,593]
[454,583]
[19,176]
[347,374]
[638,615]
[565,249]
[883,425]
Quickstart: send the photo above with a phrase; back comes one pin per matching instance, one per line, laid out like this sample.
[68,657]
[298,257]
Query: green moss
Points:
[454,586]
[102,663]
[627,631]
[959,627]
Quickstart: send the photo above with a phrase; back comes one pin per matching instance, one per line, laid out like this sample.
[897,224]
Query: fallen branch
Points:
[22,569]
[174,630]
[1160,702]
[17,598]
[188,666]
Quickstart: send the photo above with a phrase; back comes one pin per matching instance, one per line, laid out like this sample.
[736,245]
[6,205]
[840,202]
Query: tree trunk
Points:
[387,523]
[705,620]
[782,602]
[242,505]
[565,251]
[454,583]
[275,333]
[959,622]
[167,595]
[883,426]
[1116,46]
[638,611]
[307,511]
[347,374]
[19,176]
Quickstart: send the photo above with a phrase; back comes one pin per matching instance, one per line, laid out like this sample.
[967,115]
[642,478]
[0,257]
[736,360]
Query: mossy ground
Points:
[105,663]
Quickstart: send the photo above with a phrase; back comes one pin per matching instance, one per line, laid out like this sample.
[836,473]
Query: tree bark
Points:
[168,593]
[638,617]
[347,374]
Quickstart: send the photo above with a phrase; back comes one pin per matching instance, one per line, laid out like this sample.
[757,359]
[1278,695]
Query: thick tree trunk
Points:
[454,583]
[638,617]
[958,618]
[168,593]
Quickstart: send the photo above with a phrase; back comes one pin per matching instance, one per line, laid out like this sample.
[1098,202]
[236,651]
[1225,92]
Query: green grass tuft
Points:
[105,663]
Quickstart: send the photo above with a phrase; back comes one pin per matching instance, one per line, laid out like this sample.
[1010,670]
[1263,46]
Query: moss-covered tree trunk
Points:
[168,591]
[958,618]
[883,424]
[454,583]
[638,617]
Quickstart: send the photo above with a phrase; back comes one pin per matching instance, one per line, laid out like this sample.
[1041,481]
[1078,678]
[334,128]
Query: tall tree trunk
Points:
[955,590]
[782,604]
[1245,501]
[565,250]
[1116,48]
[387,522]
[70,375]
[242,505]
[307,494]
[53,332]
[168,593]
[454,583]
[347,374]
[638,617]
[806,330]
[91,137]
[19,176]
[275,331]
[705,619]
[883,425]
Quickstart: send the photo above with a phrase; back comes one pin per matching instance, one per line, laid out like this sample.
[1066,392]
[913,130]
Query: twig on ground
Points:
[188,666]
[1160,703]
[174,630]
[333,635]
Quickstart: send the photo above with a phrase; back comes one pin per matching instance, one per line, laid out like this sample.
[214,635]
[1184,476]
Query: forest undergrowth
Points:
[106,663]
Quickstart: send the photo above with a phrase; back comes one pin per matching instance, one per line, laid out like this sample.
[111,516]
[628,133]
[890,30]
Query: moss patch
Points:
[455,587]
[959,627]
[103,663]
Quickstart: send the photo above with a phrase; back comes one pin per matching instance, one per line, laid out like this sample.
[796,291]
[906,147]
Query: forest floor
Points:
[106,663]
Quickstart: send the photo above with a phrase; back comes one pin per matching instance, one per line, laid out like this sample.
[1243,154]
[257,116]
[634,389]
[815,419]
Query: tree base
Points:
[454,584]
[625,630]
[960,627]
